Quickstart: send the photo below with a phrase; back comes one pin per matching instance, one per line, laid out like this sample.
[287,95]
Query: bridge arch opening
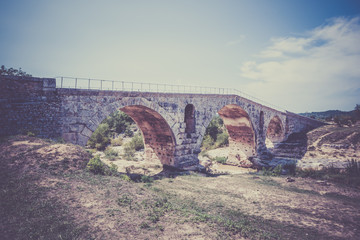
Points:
[189,120]
[274,133]
[158,137]
[241,134]
[155,135]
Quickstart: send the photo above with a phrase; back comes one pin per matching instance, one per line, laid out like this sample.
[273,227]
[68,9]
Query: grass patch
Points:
[111,154]
[349,176]
[27,212]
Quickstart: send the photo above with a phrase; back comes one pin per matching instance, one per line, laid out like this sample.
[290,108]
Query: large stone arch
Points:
[242,135]
[158,138]
[242,138]
[275,132]
[152,120]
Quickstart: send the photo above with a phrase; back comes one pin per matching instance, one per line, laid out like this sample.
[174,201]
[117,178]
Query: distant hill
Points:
[327,115]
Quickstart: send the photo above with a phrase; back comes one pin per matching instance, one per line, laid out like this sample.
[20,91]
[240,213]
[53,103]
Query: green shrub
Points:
[137,142]
[111,154]
[275,171]
[113,169]
[30,134]
[125,177]
[119,122]
[207,143]
[96,166]
[146,179]
[128,132]
[221,160]
[125,200]
[99,139]
[117,141]
[131,147]
[215,135]
[129,153]
[222,140]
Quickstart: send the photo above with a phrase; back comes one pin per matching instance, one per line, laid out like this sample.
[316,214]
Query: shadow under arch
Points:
[275,133]
[158,137]
[242,139]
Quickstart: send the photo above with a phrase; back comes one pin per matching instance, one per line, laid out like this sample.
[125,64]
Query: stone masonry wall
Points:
[29,104]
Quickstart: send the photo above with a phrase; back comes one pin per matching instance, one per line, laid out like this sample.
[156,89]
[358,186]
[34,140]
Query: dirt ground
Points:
[47,194]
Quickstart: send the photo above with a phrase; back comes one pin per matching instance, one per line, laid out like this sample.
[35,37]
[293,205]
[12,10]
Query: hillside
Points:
[329,115]
[46,193]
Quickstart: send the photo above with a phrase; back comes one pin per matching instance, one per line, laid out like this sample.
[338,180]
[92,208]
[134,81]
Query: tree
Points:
[13,72]
[357,111]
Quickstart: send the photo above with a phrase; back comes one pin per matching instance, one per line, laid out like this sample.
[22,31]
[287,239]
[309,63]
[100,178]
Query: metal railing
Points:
[112,85]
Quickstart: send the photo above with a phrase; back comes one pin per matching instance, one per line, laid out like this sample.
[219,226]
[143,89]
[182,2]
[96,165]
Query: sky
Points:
[302,55]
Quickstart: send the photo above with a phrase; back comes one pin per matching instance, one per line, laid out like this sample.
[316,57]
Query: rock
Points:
[289,179]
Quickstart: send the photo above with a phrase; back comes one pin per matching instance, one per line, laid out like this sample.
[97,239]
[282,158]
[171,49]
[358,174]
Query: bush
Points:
[129,153]
[128,132]
[341,120]
[111,154]
[221,160]
[96,166]
[215,135]
[99,139]
[13,72]
[146,179]
[275,171]
[30,134]
[113,169]
[207,143]
[119,122]
[117,141]
[222,140]
[137,142]
[125,177]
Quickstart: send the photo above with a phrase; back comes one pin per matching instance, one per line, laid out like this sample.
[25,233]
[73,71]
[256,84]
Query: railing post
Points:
[112,85]
[122,85]
[62,79]
[141,87]
[101,84]
[132,86]
[75,83]
[157,87]
[89,84]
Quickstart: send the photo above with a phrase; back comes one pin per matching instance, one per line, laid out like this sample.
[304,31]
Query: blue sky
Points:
[302,55]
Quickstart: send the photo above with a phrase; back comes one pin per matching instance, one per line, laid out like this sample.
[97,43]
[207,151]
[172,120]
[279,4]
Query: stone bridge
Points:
[172,124]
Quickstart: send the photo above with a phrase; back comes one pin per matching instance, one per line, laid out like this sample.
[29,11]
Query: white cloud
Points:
[309,72]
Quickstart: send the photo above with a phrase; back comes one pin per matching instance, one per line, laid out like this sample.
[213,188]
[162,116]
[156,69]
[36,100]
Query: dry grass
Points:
[60,200]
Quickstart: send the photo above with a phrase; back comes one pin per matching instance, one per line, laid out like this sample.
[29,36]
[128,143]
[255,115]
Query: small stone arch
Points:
[275,132]
[189,119]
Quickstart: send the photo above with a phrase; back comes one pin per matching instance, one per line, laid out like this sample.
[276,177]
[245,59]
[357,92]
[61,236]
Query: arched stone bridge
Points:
[173,125]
